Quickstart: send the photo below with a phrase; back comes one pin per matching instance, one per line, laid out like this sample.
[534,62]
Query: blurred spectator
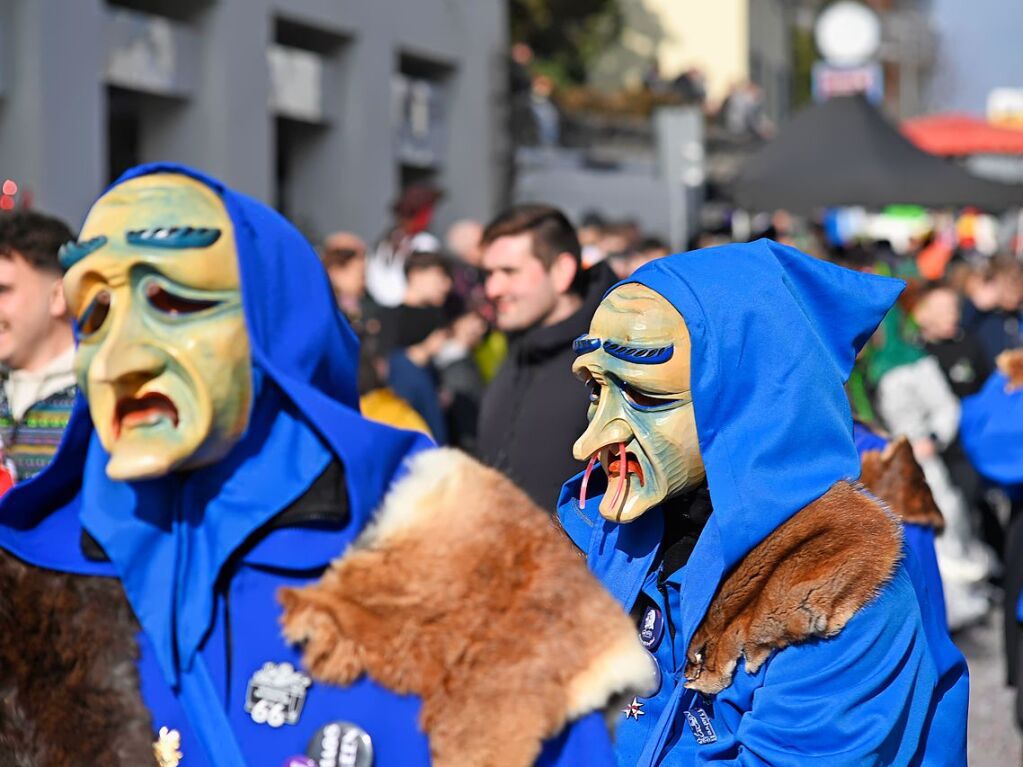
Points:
[463,243]
[519,79]
[965,365]
[591,232]
[413,333]
[379,402]
[534,409]
[421,312]
[691,86]
[385,269]
[344,257]
[960,354]
[460,379]
[616,239]
[914,399]
[991,311]
[545,113]
[36,342]
[742,112]
[644,252]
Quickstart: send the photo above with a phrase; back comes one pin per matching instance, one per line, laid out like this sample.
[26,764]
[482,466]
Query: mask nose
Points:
[125,355]
[607,427]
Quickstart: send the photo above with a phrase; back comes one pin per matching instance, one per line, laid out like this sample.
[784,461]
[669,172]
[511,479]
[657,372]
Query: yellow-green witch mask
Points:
[163,356]
[636,362]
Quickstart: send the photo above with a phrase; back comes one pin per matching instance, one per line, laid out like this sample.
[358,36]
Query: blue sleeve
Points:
[585,742]
[866,439]
[862,697]
[923,570]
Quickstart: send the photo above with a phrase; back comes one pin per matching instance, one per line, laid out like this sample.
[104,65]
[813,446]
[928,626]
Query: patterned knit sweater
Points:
[31,441]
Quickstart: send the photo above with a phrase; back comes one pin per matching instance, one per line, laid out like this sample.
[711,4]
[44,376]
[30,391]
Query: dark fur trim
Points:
[69,687]
[896,478]
[805,580]
[465,594]
[1010,362]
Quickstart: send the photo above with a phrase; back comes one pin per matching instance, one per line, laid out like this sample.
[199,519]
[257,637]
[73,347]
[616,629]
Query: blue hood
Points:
[774,335]
[305,359]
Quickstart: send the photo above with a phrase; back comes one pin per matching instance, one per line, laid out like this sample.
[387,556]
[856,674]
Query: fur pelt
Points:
[1010,362]
[894,476]
[69,688]
[805,580]
[464,593]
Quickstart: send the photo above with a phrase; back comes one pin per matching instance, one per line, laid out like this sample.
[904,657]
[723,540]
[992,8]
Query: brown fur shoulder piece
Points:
[894,476]
[465,594]
[69,688]
[805,580]
[1010,362]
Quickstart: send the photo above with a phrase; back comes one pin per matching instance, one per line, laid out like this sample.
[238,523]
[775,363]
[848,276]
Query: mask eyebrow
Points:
[641,355]
[584,345]
[71,252]
[173,237]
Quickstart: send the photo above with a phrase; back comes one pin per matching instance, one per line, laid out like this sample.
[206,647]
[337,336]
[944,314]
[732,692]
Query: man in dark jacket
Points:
[534,407]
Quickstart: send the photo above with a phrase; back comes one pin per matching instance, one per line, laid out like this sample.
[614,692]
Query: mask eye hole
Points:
[593,388]
[643,400]
[95,313]
[174,304]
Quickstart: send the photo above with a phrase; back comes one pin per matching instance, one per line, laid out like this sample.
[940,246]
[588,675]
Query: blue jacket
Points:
[991,430]
[774,336]
[201,557]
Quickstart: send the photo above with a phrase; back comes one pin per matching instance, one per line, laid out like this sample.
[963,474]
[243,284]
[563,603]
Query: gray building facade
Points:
[323,108]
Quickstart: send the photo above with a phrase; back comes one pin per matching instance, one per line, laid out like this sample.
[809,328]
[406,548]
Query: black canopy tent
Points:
[844,152]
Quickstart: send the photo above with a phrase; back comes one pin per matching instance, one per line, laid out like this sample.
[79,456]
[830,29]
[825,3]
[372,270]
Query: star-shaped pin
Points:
[634,710]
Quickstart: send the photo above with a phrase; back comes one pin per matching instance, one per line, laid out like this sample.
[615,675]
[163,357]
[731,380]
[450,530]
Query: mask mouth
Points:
[145,410]
[617,462]
[632,466]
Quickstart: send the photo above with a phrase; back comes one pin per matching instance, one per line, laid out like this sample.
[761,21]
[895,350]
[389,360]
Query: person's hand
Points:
[424,351]
[924,448]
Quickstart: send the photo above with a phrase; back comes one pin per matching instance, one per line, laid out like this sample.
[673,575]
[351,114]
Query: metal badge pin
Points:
[651,627]
[276,694]
[341,744]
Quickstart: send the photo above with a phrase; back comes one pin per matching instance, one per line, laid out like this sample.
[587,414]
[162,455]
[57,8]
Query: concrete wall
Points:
[214,112]
[770,54]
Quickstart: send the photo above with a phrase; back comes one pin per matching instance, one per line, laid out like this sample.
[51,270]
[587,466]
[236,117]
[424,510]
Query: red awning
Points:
[958,135]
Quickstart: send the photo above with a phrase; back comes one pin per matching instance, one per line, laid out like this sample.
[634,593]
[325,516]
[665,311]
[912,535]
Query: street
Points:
[992,739]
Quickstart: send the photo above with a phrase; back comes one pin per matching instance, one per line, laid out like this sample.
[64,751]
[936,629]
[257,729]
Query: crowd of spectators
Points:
[469,339]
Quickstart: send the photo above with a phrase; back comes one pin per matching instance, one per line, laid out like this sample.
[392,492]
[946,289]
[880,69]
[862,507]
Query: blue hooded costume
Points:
[991,430]
[774,335]
[200,555]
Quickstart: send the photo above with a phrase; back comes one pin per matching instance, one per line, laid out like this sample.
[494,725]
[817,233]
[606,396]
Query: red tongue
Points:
[631,467]
[139,409]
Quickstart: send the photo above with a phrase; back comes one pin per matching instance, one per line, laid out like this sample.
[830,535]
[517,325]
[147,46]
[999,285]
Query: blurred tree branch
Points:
[565,35]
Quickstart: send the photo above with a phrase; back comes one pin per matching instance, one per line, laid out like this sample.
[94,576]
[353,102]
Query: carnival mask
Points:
[636,363]
[163,356]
